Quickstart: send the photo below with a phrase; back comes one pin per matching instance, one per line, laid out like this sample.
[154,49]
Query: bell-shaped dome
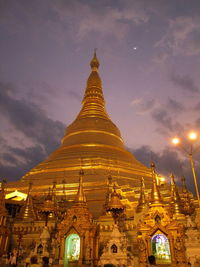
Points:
[92,142]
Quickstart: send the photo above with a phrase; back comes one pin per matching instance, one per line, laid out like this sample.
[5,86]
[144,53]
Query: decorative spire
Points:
[115,205]
[109,192]
[185,190]
[142,200]
[80,197]
[188,206]
[63,191]
[155,192]
[27,212]
[48,209]
[93,101]
[54,198]
[49,196]
[177,205]
[94,62]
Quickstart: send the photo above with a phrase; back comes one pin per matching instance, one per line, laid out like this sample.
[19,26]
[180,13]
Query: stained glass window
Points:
[160,248]
[72,248]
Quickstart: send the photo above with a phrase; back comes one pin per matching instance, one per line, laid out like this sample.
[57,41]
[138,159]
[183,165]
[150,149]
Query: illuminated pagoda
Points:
[94,143]
[91,203]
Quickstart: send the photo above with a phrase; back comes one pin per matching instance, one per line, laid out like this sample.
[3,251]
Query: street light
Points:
[192,136]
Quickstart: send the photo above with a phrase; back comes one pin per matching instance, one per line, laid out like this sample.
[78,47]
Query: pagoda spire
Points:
[155,192]
[185,190]
[94,62]
[80,197]
[115,205]
[188,206]
[109,192]
[177,205]
[142,200]
[93,103]
[54,197]
[27,211]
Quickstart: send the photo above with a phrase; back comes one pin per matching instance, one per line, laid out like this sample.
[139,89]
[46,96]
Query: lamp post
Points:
[192,136]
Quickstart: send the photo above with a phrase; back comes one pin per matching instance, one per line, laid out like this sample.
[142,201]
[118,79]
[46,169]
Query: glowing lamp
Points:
[162,179]
[192,136]
[175,140]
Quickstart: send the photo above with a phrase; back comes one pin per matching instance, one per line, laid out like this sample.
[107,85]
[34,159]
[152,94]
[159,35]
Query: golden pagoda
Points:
[92,142]
[140,216]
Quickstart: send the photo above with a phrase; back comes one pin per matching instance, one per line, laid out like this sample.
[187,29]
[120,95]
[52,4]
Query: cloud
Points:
[162,117]
[182,37]
[30,119]
[143,106]
[39,91]
[160,57]
[112,21]
[76,20]
[184,82]
[174,105]
[31,123]
[167,161]
[15,162]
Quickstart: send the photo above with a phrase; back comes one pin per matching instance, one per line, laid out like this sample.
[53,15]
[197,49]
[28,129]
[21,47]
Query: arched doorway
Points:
[72,249]
[161,248]
[114,248]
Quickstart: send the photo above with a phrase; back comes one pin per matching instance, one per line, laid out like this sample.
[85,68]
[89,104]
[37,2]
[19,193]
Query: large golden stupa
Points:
[91,223]
[92,142]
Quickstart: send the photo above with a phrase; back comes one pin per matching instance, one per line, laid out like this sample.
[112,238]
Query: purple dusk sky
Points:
[149,52]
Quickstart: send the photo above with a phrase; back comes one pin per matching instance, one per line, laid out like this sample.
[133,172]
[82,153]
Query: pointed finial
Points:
[188,206]
[94,62]
[153,166]
[172,179]
[63,190]
[30,187]
[142,183]
[27,212]
[54,197]
[184,184]
[108,193]
[49,195]
[80,197]
[155,192]
[93,103]
[177,205]
[115,205]
[115,198]
[142,200]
